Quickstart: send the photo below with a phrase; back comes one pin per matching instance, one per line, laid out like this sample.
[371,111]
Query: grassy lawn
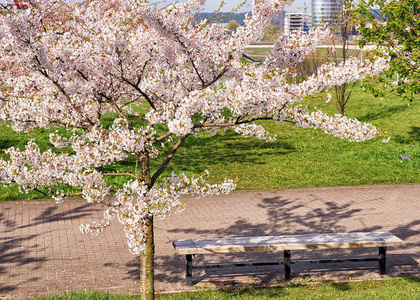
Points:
[310,158]
[299,157]
[397,288]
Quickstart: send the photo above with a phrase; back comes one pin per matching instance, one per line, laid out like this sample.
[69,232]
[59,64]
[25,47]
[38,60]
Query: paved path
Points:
[43,251]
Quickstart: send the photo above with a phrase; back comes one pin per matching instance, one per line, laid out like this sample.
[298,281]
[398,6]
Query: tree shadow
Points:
[383,112]
[133,267]
[22,250]
[50,214]
[341,286]
[6,222]
[413,279]
[415,133]
[211,151]
[284,217]
[318,220]
[12,140]
[11,252]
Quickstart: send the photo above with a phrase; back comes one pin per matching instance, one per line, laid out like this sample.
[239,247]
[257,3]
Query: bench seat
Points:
[286,243]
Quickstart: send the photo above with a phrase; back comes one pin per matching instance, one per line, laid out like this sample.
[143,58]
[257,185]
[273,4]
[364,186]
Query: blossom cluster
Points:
[135,201]
[339,125]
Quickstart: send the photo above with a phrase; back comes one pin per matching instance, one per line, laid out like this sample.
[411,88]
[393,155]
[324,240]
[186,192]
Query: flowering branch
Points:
[168,158]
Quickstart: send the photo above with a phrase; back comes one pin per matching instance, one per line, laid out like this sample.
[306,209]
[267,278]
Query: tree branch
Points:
[196,71]
[121,113]
[162,137]
[168,159]
[140,91]
[203,83]
[61,89]
[231,124]
[71,103]
[216,78]
[182,139]
[41,192]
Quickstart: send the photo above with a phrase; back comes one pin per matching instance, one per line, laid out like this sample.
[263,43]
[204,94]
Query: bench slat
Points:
[286,242]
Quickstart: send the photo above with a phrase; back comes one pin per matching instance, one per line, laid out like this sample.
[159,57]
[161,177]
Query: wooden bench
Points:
[286,243]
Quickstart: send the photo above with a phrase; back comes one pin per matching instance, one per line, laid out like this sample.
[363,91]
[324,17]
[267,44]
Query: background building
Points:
[296,21]
[324,11]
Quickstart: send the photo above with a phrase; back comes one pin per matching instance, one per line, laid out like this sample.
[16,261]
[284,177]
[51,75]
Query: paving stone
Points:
[44,253]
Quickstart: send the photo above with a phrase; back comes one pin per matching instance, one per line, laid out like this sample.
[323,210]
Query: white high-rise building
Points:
[324,11]
[296,21]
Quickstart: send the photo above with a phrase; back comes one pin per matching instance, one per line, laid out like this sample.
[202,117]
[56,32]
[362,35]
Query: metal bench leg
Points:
[189,269]
[287,254]
[382,260]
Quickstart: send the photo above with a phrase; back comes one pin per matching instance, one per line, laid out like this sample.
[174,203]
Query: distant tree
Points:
[342,52]
[271,33]
[233,25]
[395,28]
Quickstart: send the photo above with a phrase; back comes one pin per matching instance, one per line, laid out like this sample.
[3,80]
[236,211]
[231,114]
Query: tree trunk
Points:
[147,268]
[147,260]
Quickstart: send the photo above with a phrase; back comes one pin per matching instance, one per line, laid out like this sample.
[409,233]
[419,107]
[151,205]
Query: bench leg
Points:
[189,269]
[287,255]
[382,260]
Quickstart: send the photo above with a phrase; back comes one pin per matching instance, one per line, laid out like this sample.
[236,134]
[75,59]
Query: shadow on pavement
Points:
[285,216]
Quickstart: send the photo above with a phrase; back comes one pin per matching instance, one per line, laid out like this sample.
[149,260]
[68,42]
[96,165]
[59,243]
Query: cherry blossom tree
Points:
[395,27]
[66,65]
[342,26]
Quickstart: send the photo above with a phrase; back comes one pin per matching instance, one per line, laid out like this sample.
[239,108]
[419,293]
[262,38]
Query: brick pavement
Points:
[43,251]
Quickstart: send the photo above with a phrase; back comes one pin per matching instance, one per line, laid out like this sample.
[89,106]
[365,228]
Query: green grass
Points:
[397,288]
[310,158]
[88,296]
[299,157]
